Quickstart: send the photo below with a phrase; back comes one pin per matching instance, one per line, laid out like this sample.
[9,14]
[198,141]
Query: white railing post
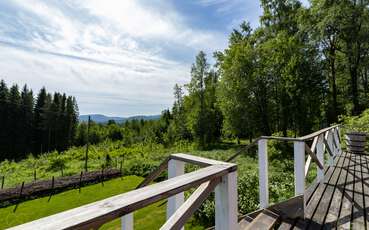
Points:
[338,141]
[127,222]
[334,142]
[330,146]
[226,205]
[263,173]
[175,168]
[320,156]
[299,167]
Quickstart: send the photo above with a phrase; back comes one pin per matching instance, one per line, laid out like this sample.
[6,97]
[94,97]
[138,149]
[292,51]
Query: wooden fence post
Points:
[175,168]
[80,182]
[102,176]
[226,206]
[263,173]
[21,190]
[299,167]
[121,168]
[2,182]
[320,156]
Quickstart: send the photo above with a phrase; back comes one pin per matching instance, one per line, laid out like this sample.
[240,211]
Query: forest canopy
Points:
[35,124]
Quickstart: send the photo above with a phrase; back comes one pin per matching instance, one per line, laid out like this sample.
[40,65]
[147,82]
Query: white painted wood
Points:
[299,166]
[263,173]
[226,204]
[334,142]
[307,165]
[175,168]
[338,140]
[127,222]
[330,146]
[320,156]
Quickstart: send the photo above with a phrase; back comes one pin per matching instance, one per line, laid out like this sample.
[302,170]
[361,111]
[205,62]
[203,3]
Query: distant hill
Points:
[99,118]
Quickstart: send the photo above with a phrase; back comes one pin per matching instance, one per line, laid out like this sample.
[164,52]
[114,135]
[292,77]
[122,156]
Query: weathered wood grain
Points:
[334,209]
[183,213]
[95,214]
[264,221]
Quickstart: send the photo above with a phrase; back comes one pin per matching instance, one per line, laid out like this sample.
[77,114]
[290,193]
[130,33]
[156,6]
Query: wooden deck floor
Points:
[342,200]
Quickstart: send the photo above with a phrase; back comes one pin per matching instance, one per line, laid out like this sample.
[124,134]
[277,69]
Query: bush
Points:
[248,199]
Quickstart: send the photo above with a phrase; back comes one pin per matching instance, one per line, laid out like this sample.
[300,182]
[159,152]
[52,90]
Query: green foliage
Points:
[34,125]
[57,163]
[358,123]
[203,116]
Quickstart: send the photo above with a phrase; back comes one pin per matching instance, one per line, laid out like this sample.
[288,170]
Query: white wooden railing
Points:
[217,176]
[323,141]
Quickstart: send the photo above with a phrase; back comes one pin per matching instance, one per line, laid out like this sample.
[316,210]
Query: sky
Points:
[117,57]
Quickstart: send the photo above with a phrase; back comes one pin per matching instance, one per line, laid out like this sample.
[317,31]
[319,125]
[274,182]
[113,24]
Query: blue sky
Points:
[117,57]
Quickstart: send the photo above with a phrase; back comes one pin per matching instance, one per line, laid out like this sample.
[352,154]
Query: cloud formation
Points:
[116,57]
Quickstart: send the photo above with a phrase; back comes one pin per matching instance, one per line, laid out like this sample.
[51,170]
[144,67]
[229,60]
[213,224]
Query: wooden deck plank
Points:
[334,210]
[358,221]
[344,220]
[244,223]
[265,220]
[287,224]
[314,204]
[365,175]
[300,224]
[326,197]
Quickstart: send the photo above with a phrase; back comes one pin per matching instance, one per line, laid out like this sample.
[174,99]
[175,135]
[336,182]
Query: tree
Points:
[203,117]
[178,127]
[324,19]
[354,30]
[40,133]
[196,98]
[26,121]
[4,123]
[14,111]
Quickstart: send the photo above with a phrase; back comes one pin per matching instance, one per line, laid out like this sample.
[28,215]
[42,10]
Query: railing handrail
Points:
[95,214]
[326,140]
[279,138]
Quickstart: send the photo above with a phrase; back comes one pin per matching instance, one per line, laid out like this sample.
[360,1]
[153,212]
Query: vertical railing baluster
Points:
[299,167]
[338,141]
[320,156]
[226,205]
[175,168]
[330,146]
[127,222]
[263,173]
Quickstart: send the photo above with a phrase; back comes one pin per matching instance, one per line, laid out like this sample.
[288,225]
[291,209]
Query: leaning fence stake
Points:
[80,182]
[2,182]
[21,190]
[102,176]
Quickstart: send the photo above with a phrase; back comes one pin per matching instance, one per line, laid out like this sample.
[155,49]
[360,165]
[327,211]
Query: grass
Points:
[151,217]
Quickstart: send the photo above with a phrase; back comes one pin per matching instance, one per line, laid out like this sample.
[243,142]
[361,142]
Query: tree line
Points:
[298,71]
[35,124]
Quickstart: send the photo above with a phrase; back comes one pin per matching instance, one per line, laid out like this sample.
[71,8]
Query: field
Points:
[150,217]
[137,162]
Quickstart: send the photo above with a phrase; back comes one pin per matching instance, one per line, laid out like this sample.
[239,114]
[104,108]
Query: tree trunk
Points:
[334,86]
[354,91]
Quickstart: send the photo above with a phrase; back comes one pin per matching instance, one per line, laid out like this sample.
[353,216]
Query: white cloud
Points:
[106,53]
